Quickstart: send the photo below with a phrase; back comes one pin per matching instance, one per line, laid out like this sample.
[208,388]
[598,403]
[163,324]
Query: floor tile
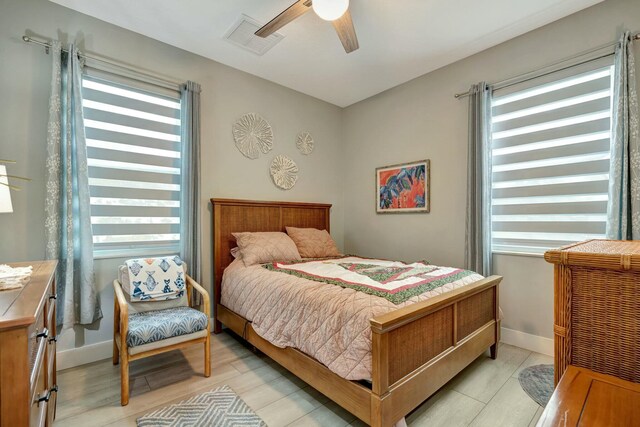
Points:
[259,397]
[485,376]
[536,417]
[447,408]
[90,394]
[290,408]
[510,407]
[249,363]
[330,414]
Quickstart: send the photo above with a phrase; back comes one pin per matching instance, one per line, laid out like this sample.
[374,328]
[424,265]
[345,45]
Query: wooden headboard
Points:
[231,216]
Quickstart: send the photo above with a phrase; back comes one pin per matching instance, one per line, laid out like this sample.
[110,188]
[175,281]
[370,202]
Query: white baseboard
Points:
[83,355]
[527,341]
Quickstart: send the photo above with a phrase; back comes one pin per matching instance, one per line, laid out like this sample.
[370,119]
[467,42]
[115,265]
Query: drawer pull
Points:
[53,296]
[43,334]
[46,397]
[53,339]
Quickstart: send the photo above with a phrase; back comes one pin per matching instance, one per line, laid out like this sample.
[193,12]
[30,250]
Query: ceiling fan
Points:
[336,11]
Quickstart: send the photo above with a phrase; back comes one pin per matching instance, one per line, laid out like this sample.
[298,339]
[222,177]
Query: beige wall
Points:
[421,119]
[417,120]
[226,94]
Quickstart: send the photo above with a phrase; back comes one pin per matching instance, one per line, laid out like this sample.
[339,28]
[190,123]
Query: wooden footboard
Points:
[419,348]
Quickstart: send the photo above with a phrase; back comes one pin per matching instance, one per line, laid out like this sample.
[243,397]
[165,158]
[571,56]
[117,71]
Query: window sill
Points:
[523,254]
[133,253]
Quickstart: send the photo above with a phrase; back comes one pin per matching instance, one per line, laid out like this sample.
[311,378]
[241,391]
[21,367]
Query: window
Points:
[133,150]
[550,154]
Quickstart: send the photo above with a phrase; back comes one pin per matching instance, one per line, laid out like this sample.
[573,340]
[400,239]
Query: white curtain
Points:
[623,215]
[67,210]
[478,222]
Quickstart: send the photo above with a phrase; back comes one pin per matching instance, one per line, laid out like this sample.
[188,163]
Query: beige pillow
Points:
[262,247]
[313,243]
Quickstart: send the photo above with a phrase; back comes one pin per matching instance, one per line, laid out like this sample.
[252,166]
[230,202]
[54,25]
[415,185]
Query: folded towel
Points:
[156,279]
[14,278]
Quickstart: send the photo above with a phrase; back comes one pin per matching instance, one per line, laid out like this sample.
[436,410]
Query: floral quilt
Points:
[393,280]
[330,323]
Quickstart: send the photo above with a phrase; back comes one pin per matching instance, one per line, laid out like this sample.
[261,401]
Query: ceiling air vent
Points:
[242,34]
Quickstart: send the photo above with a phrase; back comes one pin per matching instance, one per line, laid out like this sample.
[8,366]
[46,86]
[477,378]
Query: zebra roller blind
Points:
[133,150]
[550,154]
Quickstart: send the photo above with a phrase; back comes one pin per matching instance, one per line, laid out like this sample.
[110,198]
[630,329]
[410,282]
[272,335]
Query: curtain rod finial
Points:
[26,38]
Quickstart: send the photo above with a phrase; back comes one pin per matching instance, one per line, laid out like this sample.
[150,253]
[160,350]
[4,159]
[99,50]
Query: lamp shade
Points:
[330,10]
[5,193]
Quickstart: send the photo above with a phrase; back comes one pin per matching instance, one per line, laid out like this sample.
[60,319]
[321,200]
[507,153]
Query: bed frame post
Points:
[379,375]
[493,350]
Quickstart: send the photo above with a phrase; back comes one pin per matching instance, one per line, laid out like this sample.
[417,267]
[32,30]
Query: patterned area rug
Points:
[537,382]
[220,407]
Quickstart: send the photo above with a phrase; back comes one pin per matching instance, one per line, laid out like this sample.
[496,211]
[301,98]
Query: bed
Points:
[415,349]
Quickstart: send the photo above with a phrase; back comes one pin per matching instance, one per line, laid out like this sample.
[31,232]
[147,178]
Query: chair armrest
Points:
[124,309]
[206,307]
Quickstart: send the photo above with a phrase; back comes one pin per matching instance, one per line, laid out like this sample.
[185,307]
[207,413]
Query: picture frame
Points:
[404,188]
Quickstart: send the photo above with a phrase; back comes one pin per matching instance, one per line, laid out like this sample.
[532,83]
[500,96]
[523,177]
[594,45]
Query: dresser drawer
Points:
[43,408]
[38,414]
[51,408]
[27,356]
[35,341]
[38,346]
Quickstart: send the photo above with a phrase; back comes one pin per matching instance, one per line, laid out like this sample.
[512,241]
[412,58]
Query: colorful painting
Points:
[403,188]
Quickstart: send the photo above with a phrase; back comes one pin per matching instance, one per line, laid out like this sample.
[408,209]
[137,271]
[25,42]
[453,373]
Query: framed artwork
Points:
[403,188]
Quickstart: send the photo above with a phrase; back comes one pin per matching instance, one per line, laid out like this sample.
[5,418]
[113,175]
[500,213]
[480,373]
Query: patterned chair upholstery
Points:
[153,326]
[143,333]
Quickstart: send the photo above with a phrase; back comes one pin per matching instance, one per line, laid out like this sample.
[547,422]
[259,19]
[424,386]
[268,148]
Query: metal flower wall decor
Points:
[253,135]
[305,143]
[284,172]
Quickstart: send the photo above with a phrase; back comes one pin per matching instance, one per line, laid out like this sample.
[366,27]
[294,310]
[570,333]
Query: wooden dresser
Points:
[597,307]
[28,349]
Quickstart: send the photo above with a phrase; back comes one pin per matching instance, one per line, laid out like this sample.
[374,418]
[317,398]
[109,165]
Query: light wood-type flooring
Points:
[487,393]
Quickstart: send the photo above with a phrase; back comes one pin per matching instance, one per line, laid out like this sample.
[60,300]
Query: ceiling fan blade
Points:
[294,11]
[346,31]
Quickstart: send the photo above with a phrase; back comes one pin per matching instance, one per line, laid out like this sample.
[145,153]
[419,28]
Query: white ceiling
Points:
[399,39]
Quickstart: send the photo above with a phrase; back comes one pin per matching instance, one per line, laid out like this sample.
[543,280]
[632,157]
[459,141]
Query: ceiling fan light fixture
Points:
[330,10]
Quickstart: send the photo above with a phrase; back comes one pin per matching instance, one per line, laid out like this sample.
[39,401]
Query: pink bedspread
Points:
[328,322]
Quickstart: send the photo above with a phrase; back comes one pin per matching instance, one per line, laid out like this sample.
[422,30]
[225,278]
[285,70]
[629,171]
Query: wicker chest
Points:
[597,307]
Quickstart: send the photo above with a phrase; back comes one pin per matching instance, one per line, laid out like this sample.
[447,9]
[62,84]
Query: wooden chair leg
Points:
[116,329]
[207,356]
[494,351]
[116,352]
[124,379]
